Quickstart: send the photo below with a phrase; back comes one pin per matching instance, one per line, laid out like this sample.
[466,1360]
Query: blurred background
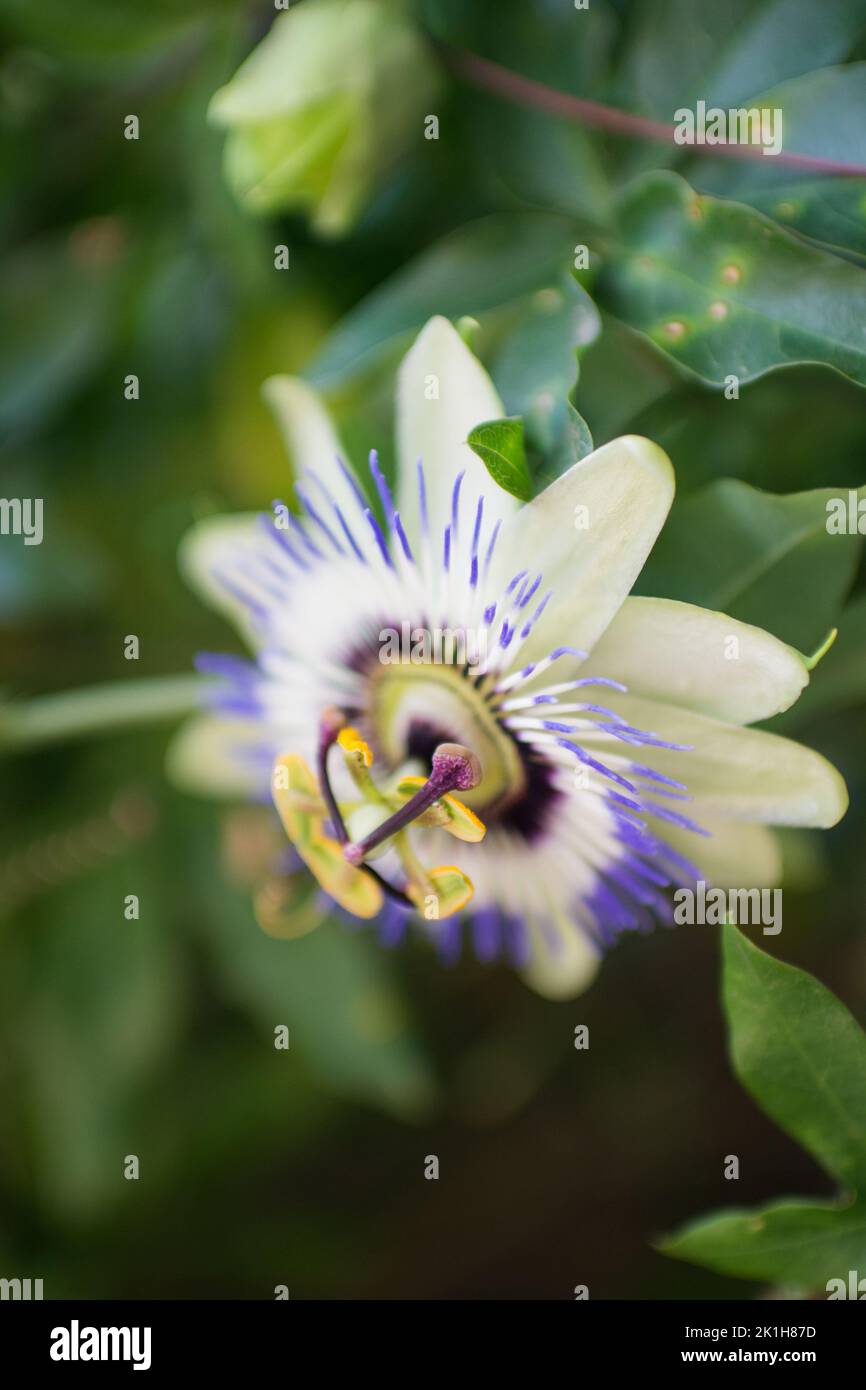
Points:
[155,1036]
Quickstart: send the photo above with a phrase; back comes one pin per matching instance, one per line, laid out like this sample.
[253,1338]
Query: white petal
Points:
[589,533]
[311,441]
[566,971]
[701,660]
[443,392]
[736,855]
[733,773]
[206,756]
[213,547]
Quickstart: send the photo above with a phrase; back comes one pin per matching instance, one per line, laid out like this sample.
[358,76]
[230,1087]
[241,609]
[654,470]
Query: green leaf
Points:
[829,210]
[105,1009]
[478,268]
[802,1056]
[786,1242]
[58,314]
[537,365]
[800,1053]
[499,445]
[546,161]
[573,443]
[106,39]
[823,114]
[780,431]
[334,990]
[709,283]
[622,376]
[677,51]
[762,558]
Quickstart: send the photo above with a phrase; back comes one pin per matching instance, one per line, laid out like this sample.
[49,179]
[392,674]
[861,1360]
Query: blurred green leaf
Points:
[547,161]
[710,283]
[764,559]
[542,159]
[790,431]
[678,52]
[104,33]
[69,576]
[574,443]
[800,1053]
[499,445]
[824,115]
[57,312]
[480,267]
[333,990]
[104,1007]
[537,364]
[622,375]
[829,210]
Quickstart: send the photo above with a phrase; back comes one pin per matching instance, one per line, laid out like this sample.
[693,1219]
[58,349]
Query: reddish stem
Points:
[525,91]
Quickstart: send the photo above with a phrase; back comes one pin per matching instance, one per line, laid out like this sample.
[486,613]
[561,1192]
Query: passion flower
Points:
[595,756]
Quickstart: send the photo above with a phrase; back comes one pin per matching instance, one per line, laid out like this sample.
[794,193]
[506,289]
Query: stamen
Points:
[334,729]
[454,768]
[351,742]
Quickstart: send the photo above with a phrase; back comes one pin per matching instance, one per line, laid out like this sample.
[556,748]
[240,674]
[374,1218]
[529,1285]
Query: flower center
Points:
[413,705]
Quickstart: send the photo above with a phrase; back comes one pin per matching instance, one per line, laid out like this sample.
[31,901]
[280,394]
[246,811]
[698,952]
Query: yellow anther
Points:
[295,791]
[452,890]
[351,742]
[448,813]
[462,822]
